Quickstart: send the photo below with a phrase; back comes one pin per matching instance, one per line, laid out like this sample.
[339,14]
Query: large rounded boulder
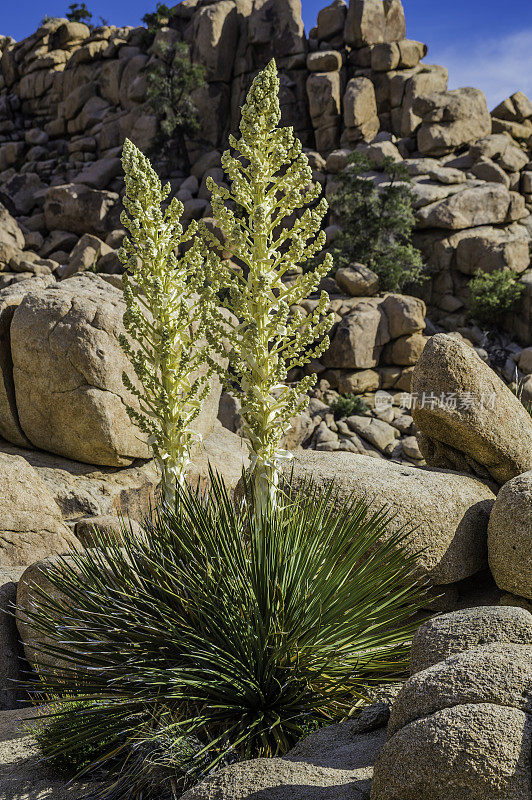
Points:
[462,727]
[445,513]
[468,418]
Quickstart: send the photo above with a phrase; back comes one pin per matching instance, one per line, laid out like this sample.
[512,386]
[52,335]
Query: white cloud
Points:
[498,66]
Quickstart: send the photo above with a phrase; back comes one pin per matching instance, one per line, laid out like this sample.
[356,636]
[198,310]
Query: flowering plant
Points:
[270,180]
[164,316]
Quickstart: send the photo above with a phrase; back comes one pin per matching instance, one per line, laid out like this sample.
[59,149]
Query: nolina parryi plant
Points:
[270,180]
[163,316]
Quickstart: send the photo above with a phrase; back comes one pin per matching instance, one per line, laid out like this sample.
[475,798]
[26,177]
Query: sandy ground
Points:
[21,775]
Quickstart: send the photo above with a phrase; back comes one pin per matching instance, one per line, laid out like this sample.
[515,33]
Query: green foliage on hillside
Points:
[377,223]
[493,294]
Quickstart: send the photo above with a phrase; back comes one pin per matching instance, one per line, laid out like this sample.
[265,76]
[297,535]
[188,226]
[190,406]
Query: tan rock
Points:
[476,750]
[324,61]
[31,525]
[469,207]
[214,36]
[85,255]
[446,512]
[488,248]
[359,382]
[359,338]
[510,537]
[276,28]
[83,490]
[357,280]
[489,171]
[411,53]
[405,314]
[448,634]
[80,209]
[375,431]
[323,91]
[89,529]
[372,21]
[502,676]
[451,119]
[406,350]
[11,237]
[488,433]
[340,765]
[67,369]
[10,299]
[360,108]
[331,20]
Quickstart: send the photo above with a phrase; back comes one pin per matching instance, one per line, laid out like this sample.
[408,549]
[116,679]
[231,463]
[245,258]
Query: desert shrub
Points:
[60,736]
[348,404]
[493,294]
[220,636]
[377,223]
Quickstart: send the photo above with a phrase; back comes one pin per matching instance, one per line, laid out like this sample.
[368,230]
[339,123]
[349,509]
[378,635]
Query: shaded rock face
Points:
[31,525]
[10,299]
[463,726]
[11,237]
[448,513]
[510,537]
[488,433]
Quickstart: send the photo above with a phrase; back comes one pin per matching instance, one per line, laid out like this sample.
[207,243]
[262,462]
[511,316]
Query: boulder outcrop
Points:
[447,513]
[469,420]
[463,726]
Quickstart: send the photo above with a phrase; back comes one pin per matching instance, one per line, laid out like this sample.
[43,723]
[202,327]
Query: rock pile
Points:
[69,96]
[462,724]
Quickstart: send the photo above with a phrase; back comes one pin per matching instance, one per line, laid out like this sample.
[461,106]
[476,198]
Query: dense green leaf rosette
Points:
[215,635]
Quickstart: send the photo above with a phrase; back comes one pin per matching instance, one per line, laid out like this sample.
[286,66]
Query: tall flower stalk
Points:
[165,317]
[270,180]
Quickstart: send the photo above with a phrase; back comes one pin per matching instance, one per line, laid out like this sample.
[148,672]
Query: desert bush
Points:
[220,636]
[348,404]
[493,294]
[377,223]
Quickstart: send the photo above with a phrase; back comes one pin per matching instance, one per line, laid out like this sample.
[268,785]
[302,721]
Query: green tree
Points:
[171,80]
[154,20]
[493,294]
[377,223]
[78,12]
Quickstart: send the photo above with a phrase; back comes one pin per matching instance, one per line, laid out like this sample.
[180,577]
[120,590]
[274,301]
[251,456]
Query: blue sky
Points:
[484,43]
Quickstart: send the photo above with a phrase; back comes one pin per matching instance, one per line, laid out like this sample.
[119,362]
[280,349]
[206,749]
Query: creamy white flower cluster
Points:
[164,317]
[271,231]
